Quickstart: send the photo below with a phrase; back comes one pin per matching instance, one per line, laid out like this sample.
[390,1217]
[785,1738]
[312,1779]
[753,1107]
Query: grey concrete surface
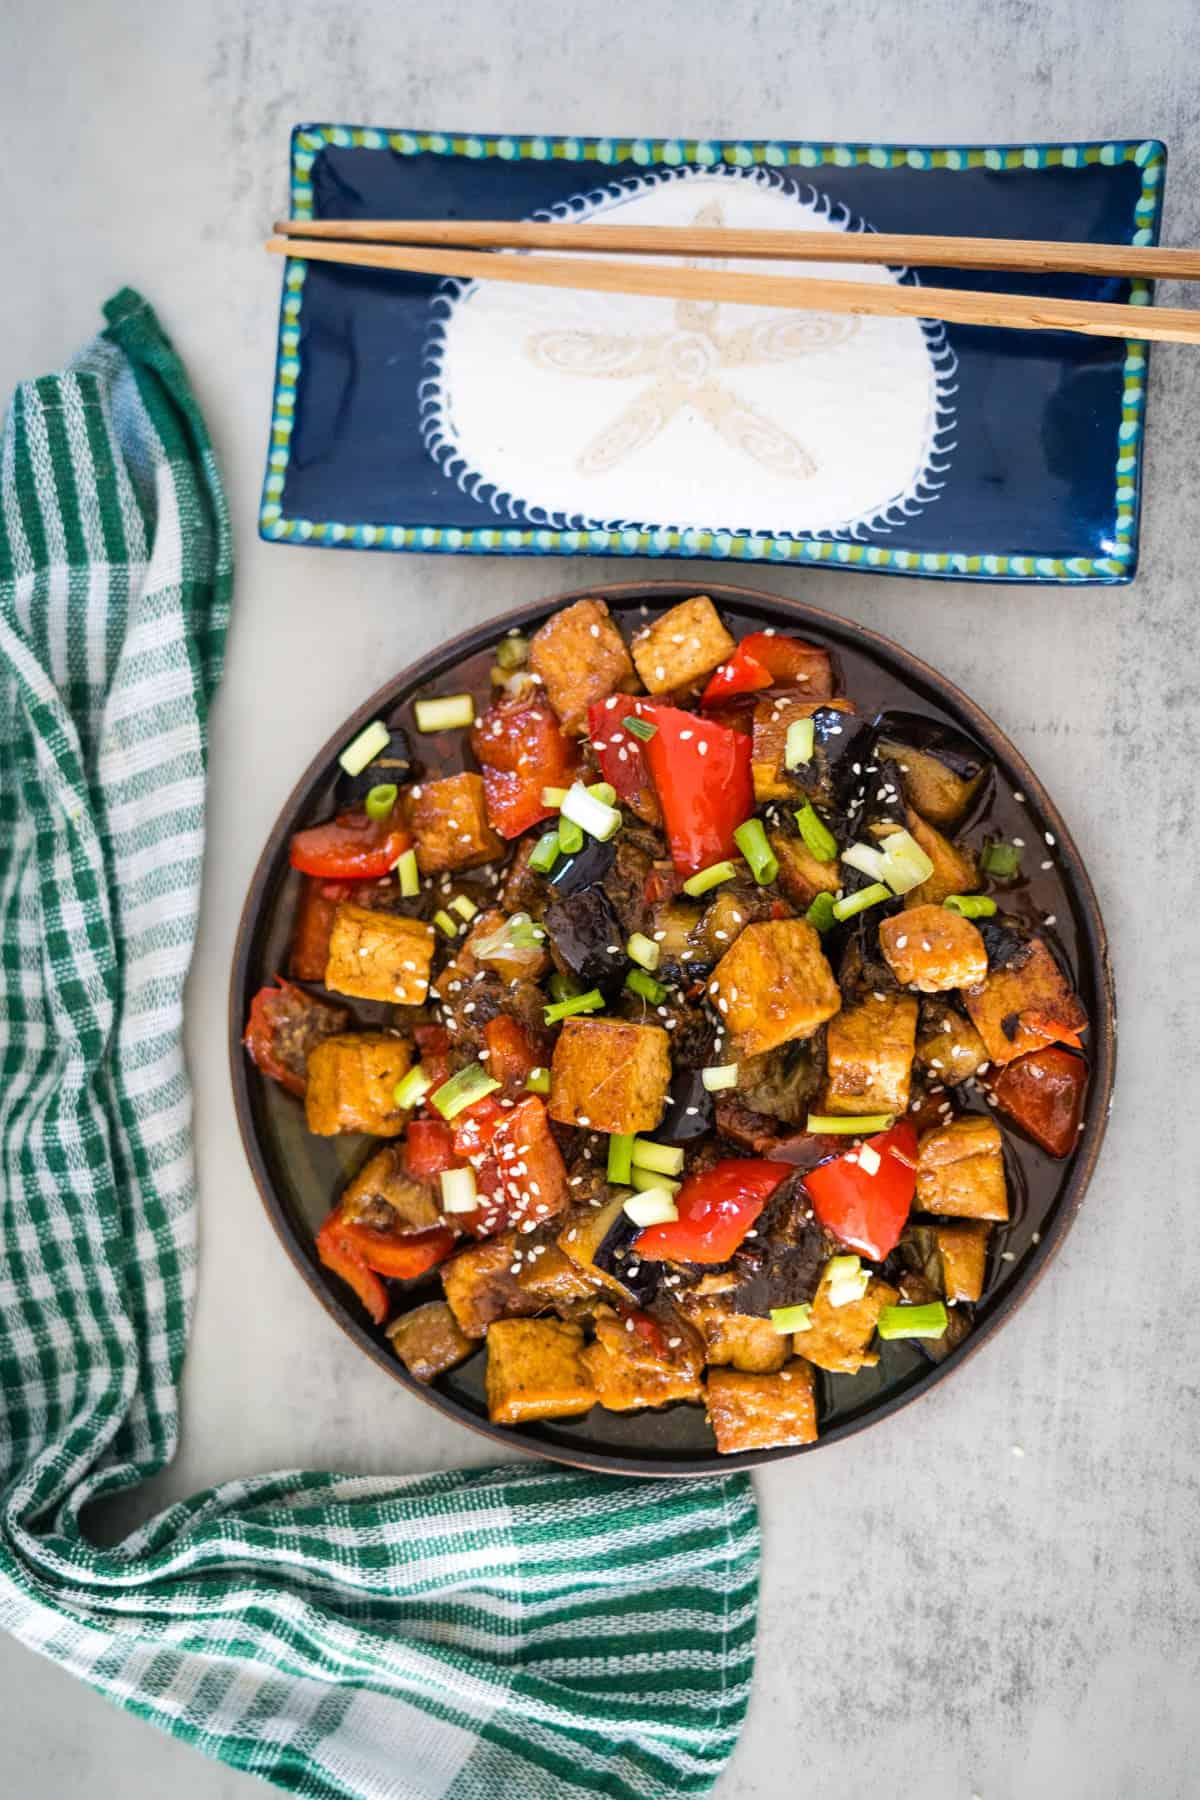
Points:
[940,1617]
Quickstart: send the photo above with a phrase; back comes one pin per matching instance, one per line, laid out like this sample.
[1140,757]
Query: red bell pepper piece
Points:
[716,1209]
[521,749]
[742,674]
[360,1254]
[283,1026]
[621,755]
[701,771]
[319,900]
[521,1171]
[511,1056]
[763,659]
[428,1149]
[338,1255]
[1046,1026]
[868,1211]
[1043,1094]
[351,847]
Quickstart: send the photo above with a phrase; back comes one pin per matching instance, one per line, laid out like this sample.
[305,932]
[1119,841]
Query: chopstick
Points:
[1019,312]
[1034,256]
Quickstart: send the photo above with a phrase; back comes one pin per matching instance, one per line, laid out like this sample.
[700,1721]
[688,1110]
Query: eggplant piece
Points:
[624,882]
[690,1108]
[693,1037]
[394,763]
[782,1265]
[602,1239]
[942,769]
[586,940]
[839,741]
[784,1081]
[585,869]
[875,797]
[1007,940]
[671,927]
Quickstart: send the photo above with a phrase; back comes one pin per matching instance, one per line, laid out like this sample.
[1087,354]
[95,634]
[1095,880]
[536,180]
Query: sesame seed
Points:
[1050,838]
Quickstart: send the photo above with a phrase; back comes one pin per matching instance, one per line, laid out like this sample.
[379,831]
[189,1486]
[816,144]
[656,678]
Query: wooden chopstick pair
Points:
[468,248]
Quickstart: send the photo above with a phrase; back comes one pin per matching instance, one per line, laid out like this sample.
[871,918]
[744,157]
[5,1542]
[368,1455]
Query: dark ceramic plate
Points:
[417,414]
[299,1175]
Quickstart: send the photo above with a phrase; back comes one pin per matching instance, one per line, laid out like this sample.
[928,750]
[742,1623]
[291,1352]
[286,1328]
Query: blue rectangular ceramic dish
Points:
[412,413]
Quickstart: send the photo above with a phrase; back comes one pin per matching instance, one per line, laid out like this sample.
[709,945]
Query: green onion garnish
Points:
[751,840]
[592,1001]
[970,906]
[466,909]
[464,1089]
[799,744]
[371,740]
[647,1180]
[445,923]
[826,1125]
[511,652]
[584,807]
[640,728]
[663,1159]
[913,1321]
[562,987]
[820,914]
[712,877]
[517,933]
[791,1318]
[655,1206]
[381,800]
[570,837]
[1000,859]
[620,1158]
[905,864]
[866,859]
[409,873]
[845,1280]
[604,791]
[554,797]
[538,1081]
[459,1194]
[445,714]
[545,853]
[643,950]
[412,1088]
[816,834]
[718,1077]
[638,982]
[849,904]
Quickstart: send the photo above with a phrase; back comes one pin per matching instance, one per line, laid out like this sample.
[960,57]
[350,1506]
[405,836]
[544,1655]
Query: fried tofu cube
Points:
[735,1340]
[581,658]
[377,956]
[448,818]
[931,787]
[536,1370]
[682,647]
[553,1279]
[351,1080]
[963,1250]
[384,1196]
[610,1075]
[801,876]
[1034,987]
[933,950]
[774,984]
[772,718]
[960,1170]
[761,1412]
[838,1336]
[630,1372]
[480,1286]
[869,1051]
[428,1341]
[948,1045]
[954,869]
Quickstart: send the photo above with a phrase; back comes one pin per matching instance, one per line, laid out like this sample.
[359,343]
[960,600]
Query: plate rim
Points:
[1093,936]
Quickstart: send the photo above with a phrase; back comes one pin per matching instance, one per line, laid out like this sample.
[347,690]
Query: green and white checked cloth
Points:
[517,1632]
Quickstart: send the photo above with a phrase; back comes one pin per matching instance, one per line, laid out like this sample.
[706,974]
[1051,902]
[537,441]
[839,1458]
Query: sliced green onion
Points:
[845,1280]
[620,1157]
[538,1081]
[645,986]
[445,923]
[1000,859]
[751,840]
[711,877]
[552,796]
[970,906]
[412,1088]
[517,933]
[647,1179]
[363,749]
[459,1193]
[545,853]
[913,1321]
[409,873]
[464,1089]
[865,1125]
[598,817]
[640,728]
[655,1206]
[445,714]
[592,1001]
[816,834]
[799,744]
[820,914]
[665,1159]
[849,904]
[791,1318]
[511,652]
[381,800]
[905,864]
[719,1076]
[570,837]
[562,987]
[643,950]
[466,909]
[866,859]
[604,791]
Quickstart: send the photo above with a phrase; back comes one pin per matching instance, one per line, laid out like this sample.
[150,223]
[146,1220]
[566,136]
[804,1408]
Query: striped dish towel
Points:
[520,1631]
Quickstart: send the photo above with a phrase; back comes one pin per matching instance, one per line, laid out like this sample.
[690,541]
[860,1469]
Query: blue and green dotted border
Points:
[1118,565]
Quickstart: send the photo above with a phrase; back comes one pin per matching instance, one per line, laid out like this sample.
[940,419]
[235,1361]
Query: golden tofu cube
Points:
[735,1340]
[377,956]
[1033,987]
[931,787]
[963,1249]
[682,647]
[610,1075]
[536,1370]
[761,1412]
[555,1280]
[773,985]
[351,1082]
[838,1336]
[428,1341]
[960,1170]
[448,818]
[933,950]
[384,1196]
[801,876]
[949,1046]
[631,1372]
[480,1286]
[869,1051]
[772,718]
[581,657]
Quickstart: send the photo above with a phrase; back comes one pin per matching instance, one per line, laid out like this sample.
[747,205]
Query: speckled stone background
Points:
[941,1617]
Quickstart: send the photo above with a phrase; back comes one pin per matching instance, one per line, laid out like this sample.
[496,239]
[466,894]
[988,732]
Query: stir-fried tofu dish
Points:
[691,1020]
